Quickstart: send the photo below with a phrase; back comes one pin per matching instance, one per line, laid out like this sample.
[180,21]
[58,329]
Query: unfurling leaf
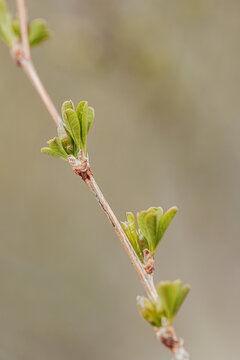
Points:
[165,222]
[129,228]
[38,32]
[73,126]
[150,311]
[82,113]
[153,224]
[172,295]
[67,105]
[73,130]
[90,117]
[65,138]
[55,149]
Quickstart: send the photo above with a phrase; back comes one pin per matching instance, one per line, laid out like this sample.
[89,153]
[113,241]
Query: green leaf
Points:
[6,30]
[148,224]
[149,311]
[91,115]
[79,112]
[85,127]
[165,222]
[65,106]
[86,116]
[130,230]
[82,113]
[181,297]
[141,224]
[153,224]
[56,145]
[52,153]
[172,295]
[73,126]
[65,138]
[38,32]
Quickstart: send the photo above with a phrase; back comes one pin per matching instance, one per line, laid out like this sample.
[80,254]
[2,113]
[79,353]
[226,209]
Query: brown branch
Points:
[24,28]
[166,333]
[22,56]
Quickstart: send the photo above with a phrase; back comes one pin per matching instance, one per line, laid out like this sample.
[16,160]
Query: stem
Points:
[165,333]
[144,277]
[24,28]
[31,72]
[22,57]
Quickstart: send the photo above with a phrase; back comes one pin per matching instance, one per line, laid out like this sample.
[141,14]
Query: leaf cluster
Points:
[171,296]
[10,28]
[72,132]
[152,225]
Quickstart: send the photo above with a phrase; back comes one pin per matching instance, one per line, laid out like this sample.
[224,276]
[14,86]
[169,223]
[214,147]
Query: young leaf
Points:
[84,126]
[141,224]
[73,126]
[129,228]
[53,153]
[38,32]
[79,112]
[148,223]
[6,31]
[65,138]
[56,145]
[165,222]
[172,295]
[65,106]
[90,117]
[181,297]
[149,311]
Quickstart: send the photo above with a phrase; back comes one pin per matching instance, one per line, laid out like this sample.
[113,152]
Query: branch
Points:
[166,333]
[22,56]
[24,28]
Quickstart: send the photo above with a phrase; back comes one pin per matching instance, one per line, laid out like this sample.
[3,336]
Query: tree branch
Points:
[22,56]
[24,28]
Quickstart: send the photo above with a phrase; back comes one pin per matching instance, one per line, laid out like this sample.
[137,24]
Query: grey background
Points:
[163,77]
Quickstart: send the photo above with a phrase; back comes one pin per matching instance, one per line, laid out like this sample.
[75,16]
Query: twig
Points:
[144,277]
[24,28]
[166,333]
[22,56]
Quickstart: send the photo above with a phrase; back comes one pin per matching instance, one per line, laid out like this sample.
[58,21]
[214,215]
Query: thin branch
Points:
[31,72]
[24,28]
[144,277]
[166,333]
[22,56]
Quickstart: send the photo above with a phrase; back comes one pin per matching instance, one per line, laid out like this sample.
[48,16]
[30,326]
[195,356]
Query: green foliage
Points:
[171,297]
[6,30]
[10,28]
[72,132]
[150,311]
[56,148]
[38,32]
[129,228]
[152,225]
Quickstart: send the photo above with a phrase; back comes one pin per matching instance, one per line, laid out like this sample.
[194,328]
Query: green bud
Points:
[149,311]
[172,295]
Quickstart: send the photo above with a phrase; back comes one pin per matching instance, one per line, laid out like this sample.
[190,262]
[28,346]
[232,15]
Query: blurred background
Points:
[163,77]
